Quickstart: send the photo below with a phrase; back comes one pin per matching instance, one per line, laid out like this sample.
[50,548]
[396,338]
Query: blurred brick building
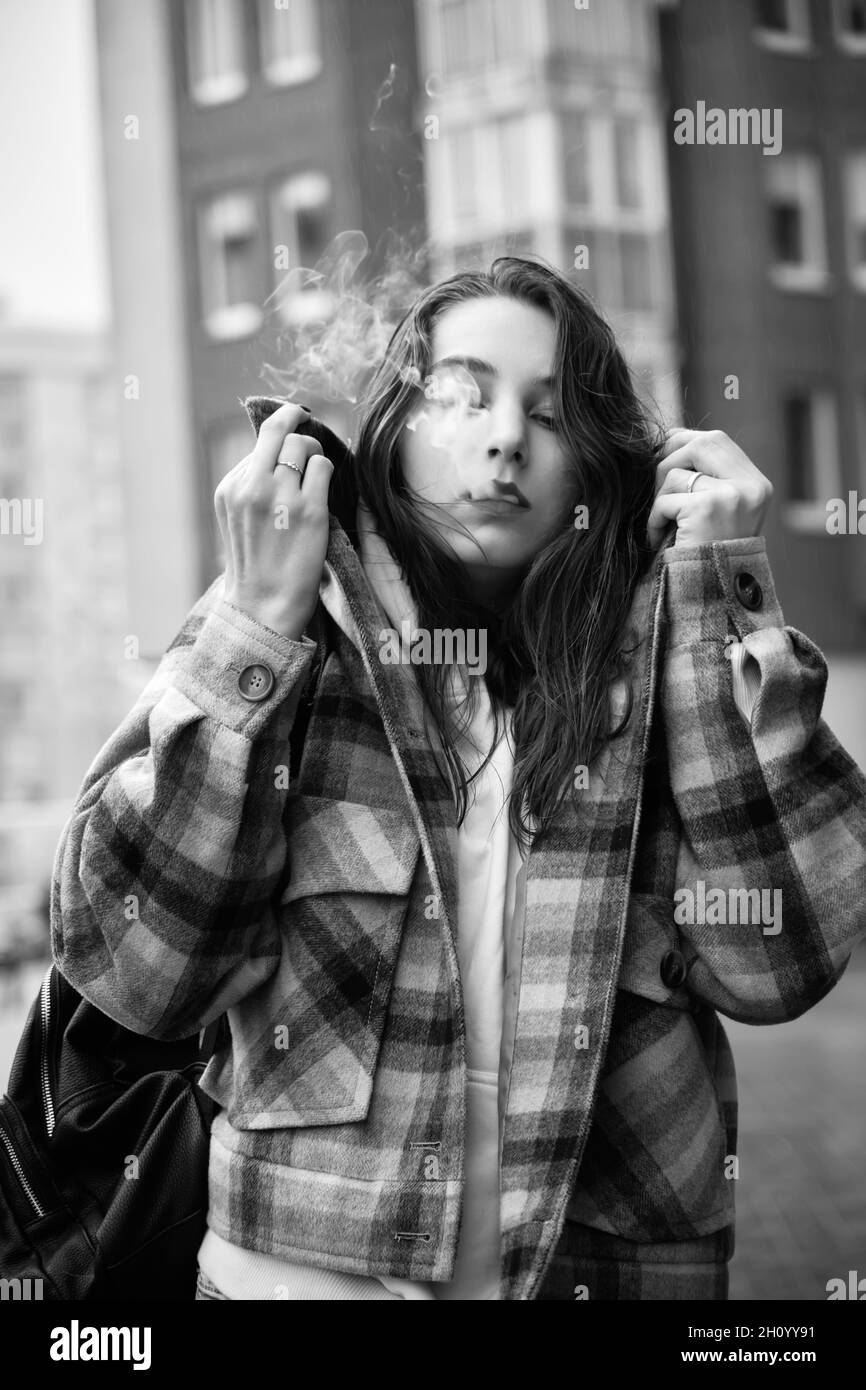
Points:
[545,133]
[62,573]
[770,252]
[771,261]
[240,136]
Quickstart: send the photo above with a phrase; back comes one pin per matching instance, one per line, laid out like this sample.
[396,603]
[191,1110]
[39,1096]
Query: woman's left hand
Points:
[729,500]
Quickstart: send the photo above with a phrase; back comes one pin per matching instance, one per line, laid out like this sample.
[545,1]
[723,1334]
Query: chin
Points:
[497,555]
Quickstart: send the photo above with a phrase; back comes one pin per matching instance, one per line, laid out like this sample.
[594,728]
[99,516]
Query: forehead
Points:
[518,339]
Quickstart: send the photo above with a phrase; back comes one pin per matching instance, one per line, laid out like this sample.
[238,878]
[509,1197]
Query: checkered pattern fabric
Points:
[191,880]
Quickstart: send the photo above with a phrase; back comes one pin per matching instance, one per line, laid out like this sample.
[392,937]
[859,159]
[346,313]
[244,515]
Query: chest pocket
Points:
[342,912]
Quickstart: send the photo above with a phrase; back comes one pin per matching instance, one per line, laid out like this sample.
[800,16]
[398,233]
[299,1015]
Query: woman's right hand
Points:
[274,525]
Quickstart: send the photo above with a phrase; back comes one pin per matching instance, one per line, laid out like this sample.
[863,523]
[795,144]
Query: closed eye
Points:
[547,422]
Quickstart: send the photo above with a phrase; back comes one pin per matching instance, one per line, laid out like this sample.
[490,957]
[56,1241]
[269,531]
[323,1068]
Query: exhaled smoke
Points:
[385,92]
[339,317]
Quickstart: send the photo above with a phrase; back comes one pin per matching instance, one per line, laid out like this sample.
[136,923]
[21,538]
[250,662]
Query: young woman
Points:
[471,919]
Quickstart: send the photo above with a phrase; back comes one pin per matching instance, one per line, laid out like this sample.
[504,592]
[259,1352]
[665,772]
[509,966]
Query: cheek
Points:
[557,488]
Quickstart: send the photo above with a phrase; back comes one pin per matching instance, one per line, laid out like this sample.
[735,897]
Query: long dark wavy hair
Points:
[553,654]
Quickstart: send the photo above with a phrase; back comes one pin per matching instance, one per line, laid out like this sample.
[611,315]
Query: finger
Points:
[296,449]
[656,531]
[676,438]
[714,454]
[317,479]
[272,434]
[231,474]
[685,480]
[666,508]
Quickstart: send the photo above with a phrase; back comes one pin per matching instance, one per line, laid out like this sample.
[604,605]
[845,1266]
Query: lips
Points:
[504,496]
[503,506]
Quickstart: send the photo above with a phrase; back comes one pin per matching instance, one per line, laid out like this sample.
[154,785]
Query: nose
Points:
[506,441]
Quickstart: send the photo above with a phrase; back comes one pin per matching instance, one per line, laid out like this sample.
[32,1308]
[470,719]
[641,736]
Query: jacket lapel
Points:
[577,889]
[403,715]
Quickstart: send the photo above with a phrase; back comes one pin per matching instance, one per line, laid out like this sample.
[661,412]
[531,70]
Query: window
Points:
[464,173]
[470,255]
[796,215]
[512,166]
[581,257]
[626,134]
[509,37]
[477,255]
[810,434]
[782,24]
[849,22]
[462,48]
[477,34]
[11,415]
[855,216]
[230,260]
[575,157]
[301,223]
[606,29]
[637,272]
[290,41]
[216,50]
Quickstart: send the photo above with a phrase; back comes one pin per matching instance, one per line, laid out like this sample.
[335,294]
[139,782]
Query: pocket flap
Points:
[348,847]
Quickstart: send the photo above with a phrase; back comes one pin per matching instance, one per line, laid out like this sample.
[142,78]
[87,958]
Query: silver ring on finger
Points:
[695,477]
[281,463]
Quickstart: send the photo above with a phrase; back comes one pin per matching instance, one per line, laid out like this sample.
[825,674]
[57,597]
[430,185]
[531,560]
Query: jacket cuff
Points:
[233,653]
[717,589]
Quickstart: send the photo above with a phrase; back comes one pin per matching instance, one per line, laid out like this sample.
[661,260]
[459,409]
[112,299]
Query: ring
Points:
[280,463]
[695,477]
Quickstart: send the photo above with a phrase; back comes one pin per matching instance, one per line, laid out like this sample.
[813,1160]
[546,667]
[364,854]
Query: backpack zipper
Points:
[19,1171]
[45,1014]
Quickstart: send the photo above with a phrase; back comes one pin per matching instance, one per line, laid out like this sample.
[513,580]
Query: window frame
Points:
[300,68]
[581,116]
[850,43]
[218,89]
[853,228]
[798,38]
[812,275]
[229,322]
[304,304]
[809,515]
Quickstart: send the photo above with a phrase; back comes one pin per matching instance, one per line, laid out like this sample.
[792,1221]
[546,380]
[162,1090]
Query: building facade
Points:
[544,132]
[771,271]
[62,591]
[241,137]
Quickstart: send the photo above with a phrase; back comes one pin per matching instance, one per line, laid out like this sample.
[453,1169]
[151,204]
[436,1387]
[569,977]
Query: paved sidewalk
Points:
[801,1192]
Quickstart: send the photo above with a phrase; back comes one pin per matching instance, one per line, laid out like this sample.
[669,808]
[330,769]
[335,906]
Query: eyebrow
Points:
[477,365]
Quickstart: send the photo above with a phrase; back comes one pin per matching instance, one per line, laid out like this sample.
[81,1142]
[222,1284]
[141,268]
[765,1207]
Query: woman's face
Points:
[482,445]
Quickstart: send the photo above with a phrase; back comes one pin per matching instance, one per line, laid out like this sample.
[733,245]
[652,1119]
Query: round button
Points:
[673,969]
[748,590]
[256,682]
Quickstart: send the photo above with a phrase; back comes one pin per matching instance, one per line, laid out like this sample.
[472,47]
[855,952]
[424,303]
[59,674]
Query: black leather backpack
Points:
[103,1157]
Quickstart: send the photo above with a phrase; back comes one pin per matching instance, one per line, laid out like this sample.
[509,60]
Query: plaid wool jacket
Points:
[318,910]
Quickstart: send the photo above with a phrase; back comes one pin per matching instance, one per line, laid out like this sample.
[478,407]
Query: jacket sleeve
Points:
[162,902]
[770,877]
